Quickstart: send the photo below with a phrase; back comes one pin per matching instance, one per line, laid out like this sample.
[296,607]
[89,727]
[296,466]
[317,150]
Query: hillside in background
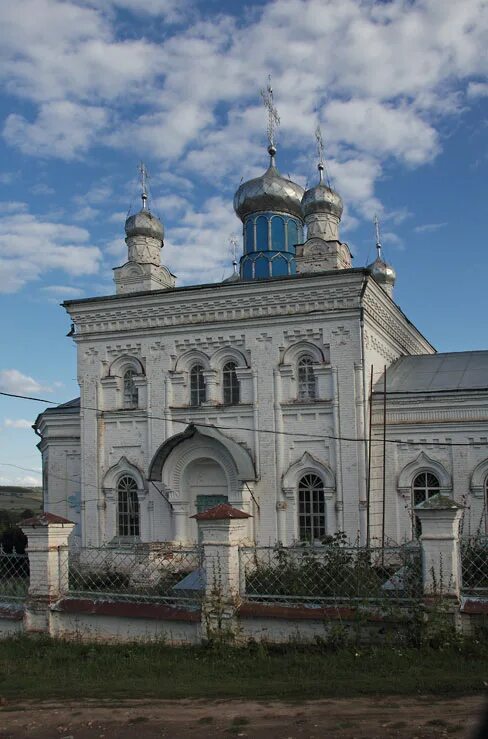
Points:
[17,499]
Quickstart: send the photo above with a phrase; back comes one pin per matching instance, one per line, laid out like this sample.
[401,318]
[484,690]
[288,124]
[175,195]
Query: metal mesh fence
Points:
[140,573]
[474,560]
[14,575]
[330,574]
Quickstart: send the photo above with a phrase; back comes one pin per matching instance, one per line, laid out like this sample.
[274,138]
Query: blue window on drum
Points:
[279,267]
[262,267]
[249,236]
[277,234]
[292,235]
[262,233]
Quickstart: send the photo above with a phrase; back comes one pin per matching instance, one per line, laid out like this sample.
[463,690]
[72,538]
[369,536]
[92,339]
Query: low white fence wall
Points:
[227,590]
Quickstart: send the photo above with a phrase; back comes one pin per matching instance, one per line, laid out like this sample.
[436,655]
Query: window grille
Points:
[311,509]
[231,384]
[306,379]
[197,385]
[131,393]
[424,486]
[128,507]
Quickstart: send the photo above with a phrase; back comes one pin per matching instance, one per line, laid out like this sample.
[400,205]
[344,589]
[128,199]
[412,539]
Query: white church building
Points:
[256,391]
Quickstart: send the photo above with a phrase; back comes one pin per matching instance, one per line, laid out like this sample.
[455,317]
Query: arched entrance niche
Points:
[198,469]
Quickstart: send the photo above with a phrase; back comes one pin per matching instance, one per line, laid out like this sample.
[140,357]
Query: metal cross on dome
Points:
[376,222]
[273,117]
[143,173]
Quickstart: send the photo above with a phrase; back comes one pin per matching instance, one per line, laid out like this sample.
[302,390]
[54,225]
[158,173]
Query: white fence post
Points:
[221,530]
[47,548]
[439,518]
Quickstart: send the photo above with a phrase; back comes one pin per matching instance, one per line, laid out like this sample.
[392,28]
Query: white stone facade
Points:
[343,320]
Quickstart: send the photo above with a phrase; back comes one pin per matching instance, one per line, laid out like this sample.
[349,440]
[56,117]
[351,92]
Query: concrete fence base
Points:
[223,613]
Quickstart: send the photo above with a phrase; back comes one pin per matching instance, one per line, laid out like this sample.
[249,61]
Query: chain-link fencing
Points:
[313,574]
[140,573]
[474,561]
[14,575]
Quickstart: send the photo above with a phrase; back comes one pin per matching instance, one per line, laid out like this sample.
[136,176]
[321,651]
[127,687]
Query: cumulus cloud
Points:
[17,423]
[31,246]
[429,227]
[380,77]
[14,381]
[61,129]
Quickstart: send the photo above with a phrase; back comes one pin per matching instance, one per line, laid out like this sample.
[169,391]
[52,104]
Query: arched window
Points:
[131,394]
[231,384]
[262,233]
[249,236]
[424,486]
[128,507]
[277,233]
[311,509]
[306,379]
[292,235]
[198,392]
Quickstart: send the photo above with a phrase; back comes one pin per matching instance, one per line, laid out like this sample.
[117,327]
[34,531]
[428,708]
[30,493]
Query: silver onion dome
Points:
[270,192]
[382,272]
[322,199]
[144,223]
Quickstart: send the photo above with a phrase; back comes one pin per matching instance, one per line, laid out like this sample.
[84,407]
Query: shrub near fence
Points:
[137,574]
[14,575]
[474,559]
[333,572]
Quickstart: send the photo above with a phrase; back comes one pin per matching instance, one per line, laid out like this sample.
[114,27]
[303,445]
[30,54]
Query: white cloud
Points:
[27,481]
[477,89]
[198,250]
[13,381]
[62,129]
[380,76]
[429,227]
[31,246]
[17,423]
[63,291]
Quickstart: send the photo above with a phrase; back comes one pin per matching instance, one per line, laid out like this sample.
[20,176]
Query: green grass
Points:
[40,668]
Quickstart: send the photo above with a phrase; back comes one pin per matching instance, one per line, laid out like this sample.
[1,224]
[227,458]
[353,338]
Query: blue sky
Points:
[91,87]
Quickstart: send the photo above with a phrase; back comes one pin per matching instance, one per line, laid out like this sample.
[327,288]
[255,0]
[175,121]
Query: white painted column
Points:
[221,530]
[180,516]
[441,557]
[47,547]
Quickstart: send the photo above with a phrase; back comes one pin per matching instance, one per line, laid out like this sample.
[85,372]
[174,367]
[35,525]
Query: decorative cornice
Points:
[394,324]
[417,415]
[210,306]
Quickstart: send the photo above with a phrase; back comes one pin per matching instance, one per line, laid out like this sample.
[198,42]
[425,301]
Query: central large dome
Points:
[270,192]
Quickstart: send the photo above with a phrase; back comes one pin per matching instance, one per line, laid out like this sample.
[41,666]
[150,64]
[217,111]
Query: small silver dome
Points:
[144,224]
[320,199]
[382,272]
[270,192]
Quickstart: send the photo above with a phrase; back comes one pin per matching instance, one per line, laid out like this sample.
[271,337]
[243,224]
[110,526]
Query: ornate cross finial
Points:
[376,222]
[233,245]
[143,173]
[273,117]
[320,151]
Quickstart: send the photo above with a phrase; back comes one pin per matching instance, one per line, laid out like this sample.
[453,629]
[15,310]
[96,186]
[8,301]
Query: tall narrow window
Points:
[306,379]
[311,509]
[197,385]
[231,384]
[128,507]
[424,486]
[131,394]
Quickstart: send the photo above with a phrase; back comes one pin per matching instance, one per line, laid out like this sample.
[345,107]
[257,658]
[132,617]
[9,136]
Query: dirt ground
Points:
[363,718]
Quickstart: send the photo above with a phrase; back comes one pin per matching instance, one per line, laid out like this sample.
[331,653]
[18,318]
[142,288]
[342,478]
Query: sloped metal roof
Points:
[452,371]
[69,407]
